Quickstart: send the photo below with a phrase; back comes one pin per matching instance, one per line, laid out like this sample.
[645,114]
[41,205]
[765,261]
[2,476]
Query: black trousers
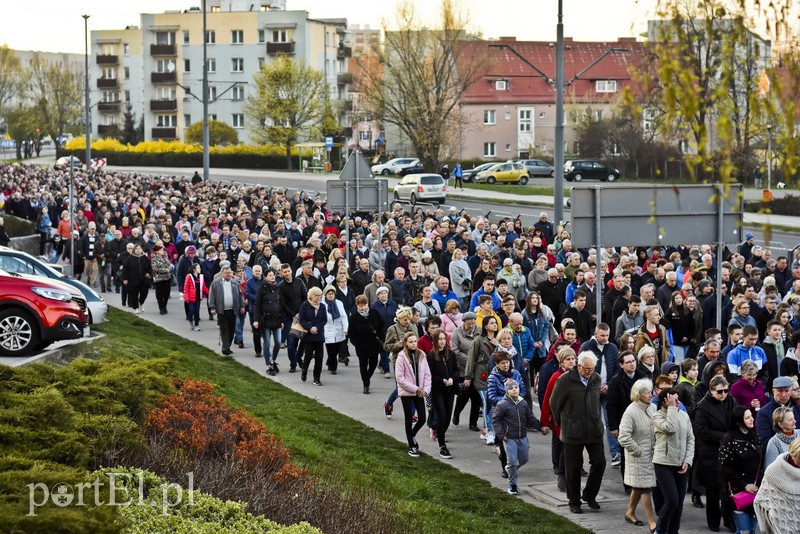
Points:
[409,405]
[137,294]
[443,406]
[335,351]
[226,319]
[673,490]
[367,363]
[314,351]
[162,293]
[472,396]
[557,454]
[573,461]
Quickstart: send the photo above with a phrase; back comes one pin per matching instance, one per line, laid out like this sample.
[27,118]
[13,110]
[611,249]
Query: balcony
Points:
[163,105]
[112,107]
[343,52]
[164,133]
[163,50]
[107,130]
[344,78]
[163,77]
[106,83]
[347,105]
[280,48]
[107,59]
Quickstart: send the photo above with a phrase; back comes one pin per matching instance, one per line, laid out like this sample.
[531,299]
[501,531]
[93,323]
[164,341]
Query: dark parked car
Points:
[469,175]
[585,169]
[414,169]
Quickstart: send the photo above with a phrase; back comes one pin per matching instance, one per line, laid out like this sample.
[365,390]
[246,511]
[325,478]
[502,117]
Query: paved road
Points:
[343,393]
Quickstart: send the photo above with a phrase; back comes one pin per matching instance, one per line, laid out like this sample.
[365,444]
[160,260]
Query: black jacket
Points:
[364,333]
[576,409]
[711,421]
[268,310]
[293,295]
[445,367]
[619,397]
[741,462]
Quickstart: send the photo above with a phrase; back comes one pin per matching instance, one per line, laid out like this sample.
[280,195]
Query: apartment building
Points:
[157,67]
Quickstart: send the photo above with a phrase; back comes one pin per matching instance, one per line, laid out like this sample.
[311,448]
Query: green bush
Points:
[787,205]
[16,227]
[172,159]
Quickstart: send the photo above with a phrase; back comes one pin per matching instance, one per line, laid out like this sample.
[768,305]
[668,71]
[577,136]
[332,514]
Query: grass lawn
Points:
[440,497]
[515,189]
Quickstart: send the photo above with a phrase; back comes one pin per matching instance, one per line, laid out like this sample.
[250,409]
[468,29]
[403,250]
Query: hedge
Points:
[173,159]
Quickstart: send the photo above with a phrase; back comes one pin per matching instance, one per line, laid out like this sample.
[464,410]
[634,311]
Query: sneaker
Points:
[562,483]
[512,489]
[433,434]
[196,328]
[483,433]
[444,453]
[616,460]
[490,438]
[414,419]
[303,375]
[387,409]
[241,344]
[317,383]
[413,452]
[275,367]
[283,345]
[270,371]
[387,374]
[504,472]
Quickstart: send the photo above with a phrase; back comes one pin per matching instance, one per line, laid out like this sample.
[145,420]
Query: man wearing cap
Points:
[781,396]
[745,249]
[225,301]
[88,252]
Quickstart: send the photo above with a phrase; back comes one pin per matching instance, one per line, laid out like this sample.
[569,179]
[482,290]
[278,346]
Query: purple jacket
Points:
[744,393]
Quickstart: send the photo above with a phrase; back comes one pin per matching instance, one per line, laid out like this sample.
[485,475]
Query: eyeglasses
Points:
[587,369]
[721,391]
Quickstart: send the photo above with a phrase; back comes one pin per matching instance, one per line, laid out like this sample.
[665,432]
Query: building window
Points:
[684,146]
[508,115]
[186,37]
[212,92]
[126,49]
[237,64]
[127,72]
[615,150]
[165,37]
[598,115]
[262,37]
[215,9]
[165,65]
[110,96]
[167,93]
[187,65]
[238,120]
[237,92]
[489,150]
[489,116]
[187,119]
[127,96]
[501,85]
[261,62]
[576,148]
[109,73]
[648,119]
[525,120]
[212,65]
[280,36]
[167,121]
[211,37]
[237,36]
[508,147]
[212,116]
[606,86]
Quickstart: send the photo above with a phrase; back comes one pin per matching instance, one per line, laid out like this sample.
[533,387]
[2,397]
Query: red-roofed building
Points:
[511,110]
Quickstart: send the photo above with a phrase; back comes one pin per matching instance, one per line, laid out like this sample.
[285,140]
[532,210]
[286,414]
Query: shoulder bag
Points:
[297,330]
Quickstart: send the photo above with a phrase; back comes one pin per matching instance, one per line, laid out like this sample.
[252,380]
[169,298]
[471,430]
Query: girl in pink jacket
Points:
[413,384]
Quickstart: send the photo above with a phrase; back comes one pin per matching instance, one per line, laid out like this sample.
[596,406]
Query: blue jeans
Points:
[193,311]
[679,353]
[275,334]
[487,410]
[613,444]
[293,346]
[238,336]
[517,456]
[744,522]
[384,361]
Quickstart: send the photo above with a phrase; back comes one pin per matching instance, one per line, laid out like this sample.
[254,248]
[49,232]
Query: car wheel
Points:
[385,172]
[490,180]
[552,174]
[413,199]
[578,177]
[611,178]
[18,333]
[523,180]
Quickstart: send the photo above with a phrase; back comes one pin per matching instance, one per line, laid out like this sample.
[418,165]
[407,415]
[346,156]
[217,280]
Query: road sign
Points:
[369,195]
[650,215]
[356,168]
[329,142]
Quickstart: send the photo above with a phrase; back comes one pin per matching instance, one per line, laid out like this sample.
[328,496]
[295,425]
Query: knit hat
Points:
[748,236]
[191,249]
[511,383]
[704,283]
[469,316]
[331,288]
[224,264]
[381,290]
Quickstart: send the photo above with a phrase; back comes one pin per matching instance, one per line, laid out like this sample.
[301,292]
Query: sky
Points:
[57,26]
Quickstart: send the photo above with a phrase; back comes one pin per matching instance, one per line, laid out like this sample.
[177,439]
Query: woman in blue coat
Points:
[312,316]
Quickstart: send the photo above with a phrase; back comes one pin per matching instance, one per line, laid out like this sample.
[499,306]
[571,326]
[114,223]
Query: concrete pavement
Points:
[343,392]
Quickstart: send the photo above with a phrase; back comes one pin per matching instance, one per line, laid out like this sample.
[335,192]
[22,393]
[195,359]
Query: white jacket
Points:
[336,329]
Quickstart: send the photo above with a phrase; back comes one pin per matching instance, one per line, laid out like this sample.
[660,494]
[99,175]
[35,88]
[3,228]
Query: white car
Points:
[63,163]
[394,166]
[415,187]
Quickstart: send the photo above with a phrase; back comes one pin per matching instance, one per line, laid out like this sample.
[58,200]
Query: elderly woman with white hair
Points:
[647,362]
[637,437]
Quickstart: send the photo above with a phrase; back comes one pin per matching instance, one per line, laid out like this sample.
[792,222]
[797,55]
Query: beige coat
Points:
[674,437]
[636,436]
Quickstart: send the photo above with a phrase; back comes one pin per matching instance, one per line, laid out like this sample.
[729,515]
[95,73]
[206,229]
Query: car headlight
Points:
[54,294]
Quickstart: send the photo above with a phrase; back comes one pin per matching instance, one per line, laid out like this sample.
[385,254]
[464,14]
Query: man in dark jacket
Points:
[579,315]
[575,404]
[293,293]
[552,293]
[362,277]
[619,397]
[780,397]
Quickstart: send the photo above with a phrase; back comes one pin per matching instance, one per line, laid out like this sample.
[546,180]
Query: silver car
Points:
[537,167]
[426,187]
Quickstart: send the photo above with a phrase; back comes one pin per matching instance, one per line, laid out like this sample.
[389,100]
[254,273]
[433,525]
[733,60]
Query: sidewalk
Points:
[342,392]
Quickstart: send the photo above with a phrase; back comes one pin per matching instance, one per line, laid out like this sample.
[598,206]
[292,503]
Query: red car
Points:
[36,311]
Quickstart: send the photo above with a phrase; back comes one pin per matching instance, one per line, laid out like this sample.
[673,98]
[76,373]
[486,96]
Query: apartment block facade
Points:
[157,67]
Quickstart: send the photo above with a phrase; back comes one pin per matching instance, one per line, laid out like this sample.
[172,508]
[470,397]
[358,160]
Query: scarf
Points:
[333,309]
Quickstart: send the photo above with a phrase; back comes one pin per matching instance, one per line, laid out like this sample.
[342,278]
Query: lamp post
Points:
[558,162]
[206,158]
[87,110]
[769,157]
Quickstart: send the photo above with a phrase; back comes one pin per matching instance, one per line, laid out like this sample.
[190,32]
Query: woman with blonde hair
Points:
[414,384]
[452,317]
[776,501]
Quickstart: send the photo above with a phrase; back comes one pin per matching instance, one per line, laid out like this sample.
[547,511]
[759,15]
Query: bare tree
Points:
[58,94]
[10,77]
[421,78]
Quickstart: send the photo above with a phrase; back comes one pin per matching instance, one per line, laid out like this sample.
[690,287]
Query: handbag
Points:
[297,330]
[743,499]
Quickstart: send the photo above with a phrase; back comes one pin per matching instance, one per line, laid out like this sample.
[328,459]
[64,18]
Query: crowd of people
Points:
[460,310]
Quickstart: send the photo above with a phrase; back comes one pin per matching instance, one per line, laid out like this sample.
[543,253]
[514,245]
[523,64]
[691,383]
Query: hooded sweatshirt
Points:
[790,366]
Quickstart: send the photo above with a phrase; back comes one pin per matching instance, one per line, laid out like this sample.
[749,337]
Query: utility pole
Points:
[206,158]
[558,149]
[87,109]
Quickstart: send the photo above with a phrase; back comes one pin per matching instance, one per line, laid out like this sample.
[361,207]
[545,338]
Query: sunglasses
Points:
[721,391]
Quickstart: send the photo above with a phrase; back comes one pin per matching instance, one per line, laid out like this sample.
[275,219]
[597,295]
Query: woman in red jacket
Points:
[566,360]
[194,290]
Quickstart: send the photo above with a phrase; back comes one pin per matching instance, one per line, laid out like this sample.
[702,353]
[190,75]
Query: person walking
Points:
[335,329]
[225,301]
[566,361]
[162,276]
[672,458]
[312,316]
[741,463]
[460,343]
[776,501]
[413,383]
[444,377]
[576,408]
[363,331]
[478,368]
[293,293]
[268,320]
[458,174]
[393,344]
[784,424]
[137,275]
[194,290]
[637,438]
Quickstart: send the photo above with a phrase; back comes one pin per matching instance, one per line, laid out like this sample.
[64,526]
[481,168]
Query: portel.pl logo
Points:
[120,485]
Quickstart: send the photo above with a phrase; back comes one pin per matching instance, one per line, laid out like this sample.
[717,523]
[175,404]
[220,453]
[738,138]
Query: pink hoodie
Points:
[406,380]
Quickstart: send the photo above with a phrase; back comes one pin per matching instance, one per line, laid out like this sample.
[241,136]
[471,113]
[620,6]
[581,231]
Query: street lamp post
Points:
[87,110]
[206,158]
[558,163]
[769,157]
